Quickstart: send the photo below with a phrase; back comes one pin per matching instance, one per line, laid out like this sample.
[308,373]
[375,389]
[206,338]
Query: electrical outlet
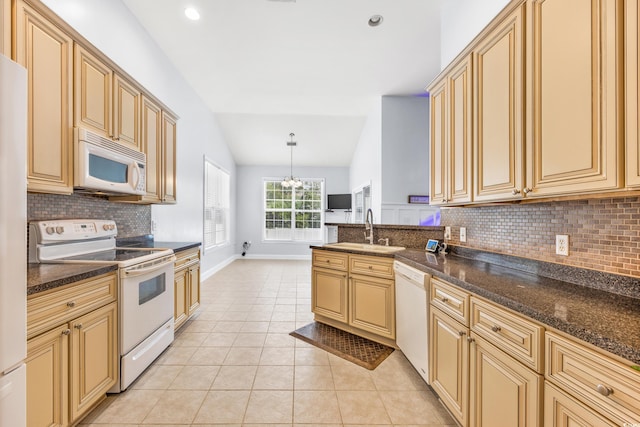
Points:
[154,226]
[463,234]
[447,233]
[562,244]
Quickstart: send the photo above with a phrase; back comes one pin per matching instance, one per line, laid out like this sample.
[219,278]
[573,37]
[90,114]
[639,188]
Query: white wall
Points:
[110,27]
[461,21]
[250,206]
[366,165]
[405,147]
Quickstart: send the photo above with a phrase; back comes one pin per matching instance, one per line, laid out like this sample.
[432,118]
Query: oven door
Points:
[146,300]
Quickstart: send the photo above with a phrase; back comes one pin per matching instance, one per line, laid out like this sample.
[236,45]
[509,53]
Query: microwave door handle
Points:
[141,271]
[137,174]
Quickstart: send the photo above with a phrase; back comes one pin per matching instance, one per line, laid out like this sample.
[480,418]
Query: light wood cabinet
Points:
[498,61]
[576,137]
[561,410]
[502,391]
[451,136]
[169,136]
[47,53]
[5,32]
[186,285]
[449,363]
[355,293]
[632,92]
[152,146]
[72,351]
[104,101]
[609,387]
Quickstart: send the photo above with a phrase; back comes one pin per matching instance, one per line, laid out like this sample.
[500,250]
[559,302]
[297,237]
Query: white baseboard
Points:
[204,275]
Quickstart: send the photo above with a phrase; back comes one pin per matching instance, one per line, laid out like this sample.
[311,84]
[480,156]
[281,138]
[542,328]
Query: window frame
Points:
[224,208]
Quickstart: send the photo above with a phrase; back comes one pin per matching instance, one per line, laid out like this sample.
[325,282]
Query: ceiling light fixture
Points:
[375,20]
[192,13]
[291,181]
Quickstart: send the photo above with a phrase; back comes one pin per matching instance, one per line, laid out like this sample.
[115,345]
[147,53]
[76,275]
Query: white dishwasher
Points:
[411,316]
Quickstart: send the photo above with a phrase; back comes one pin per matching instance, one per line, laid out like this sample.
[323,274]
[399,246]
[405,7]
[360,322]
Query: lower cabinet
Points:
[186,285]
[562,410]
[355,293]
[72,364]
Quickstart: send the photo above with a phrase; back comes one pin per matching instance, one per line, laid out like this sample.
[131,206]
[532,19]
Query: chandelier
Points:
[291,181]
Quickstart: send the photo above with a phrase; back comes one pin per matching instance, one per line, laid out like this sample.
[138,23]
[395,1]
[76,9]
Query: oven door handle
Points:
[140,271]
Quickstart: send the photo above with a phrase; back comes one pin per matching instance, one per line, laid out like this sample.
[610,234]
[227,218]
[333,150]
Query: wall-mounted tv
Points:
[338,201]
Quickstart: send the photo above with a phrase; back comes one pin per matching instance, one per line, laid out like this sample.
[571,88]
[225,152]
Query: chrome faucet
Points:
[368,225]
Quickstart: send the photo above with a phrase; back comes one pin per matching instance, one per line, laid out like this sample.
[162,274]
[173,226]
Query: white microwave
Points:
[104,166]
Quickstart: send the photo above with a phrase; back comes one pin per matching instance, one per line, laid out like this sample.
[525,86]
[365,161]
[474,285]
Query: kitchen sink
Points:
[365,247]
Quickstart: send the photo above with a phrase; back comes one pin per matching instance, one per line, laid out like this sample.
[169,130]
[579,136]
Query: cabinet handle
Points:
[515,191]
[496,328]
[527,190]
[371,267]
[78,326]
[444,299]
[604,390]
[66,332]
[471,340]
[328,261]
[462,333]
[71,304]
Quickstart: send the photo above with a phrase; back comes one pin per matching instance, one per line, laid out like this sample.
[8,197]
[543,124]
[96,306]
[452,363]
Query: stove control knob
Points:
[50,230]
[112,226]
[105,227]
[59,229]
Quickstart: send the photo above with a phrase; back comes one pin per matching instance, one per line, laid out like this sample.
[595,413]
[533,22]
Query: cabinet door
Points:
[126,113]
[151,141]
[181,297]
[46,52]
[169,158]
[577,135]
[438,136]
[632,92]
[499,137]
[47,372]
[449,363]
[329,293]
[562,410]
[503,392]
[93,93]
[372,305]
[460,132]
[94,358]
[194,288]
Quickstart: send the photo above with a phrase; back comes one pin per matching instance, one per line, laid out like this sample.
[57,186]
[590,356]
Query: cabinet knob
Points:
[371,267]
[527,190]
[471,340]
[515,191]
[496,328]
[462,333]
[66,332]
[71,304]
[444,299]
[78,326]
[604,390]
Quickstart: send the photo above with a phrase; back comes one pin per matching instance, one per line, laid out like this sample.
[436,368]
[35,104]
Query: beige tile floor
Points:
[234,364]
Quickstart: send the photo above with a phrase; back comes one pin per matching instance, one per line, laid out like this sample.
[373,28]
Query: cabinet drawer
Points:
[594,378]
[329,259]
[450,299]
[187,257]
[371,266]
[511,333]
[49,309]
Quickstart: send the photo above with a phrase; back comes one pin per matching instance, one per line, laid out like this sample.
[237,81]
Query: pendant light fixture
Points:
[291,181]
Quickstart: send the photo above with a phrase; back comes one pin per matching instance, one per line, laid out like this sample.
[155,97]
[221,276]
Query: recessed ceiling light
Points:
[192,13]
[375,20]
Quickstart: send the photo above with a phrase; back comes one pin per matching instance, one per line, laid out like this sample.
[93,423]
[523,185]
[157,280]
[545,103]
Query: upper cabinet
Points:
[104,101]
[5,27]
[498,112]
[574,93]
[451,113]
[169,131]
[632,92]
[549,82]
[47,53]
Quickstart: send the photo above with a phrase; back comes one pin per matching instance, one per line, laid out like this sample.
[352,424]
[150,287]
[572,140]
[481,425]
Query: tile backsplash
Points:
[604,234]
[131,220]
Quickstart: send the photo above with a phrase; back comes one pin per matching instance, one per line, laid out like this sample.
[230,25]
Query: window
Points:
[216,205]
[293,214]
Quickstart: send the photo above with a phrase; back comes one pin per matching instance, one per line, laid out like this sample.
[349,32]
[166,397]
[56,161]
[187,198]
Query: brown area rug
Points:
[361,351]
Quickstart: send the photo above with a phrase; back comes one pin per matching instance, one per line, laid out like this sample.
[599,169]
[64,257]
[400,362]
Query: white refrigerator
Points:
[13,243]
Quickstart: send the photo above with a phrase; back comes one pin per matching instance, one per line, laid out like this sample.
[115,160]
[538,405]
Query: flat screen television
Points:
[338,201]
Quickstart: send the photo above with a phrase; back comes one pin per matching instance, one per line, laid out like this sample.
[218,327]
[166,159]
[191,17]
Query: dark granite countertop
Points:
[149,242]
[607,320]
[42,277]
